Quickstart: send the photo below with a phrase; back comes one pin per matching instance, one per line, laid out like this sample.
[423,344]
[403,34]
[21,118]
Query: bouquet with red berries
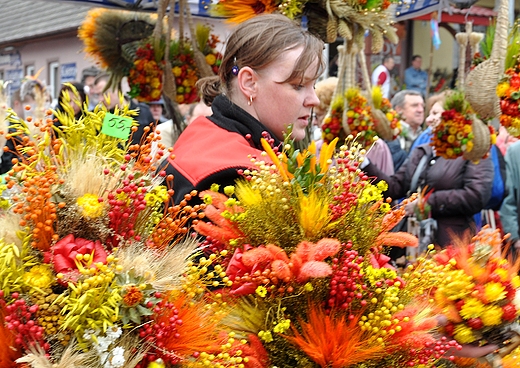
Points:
[87,271]
[332,123]
[298,242]
[359,121]
[185,68]
[508,90]
[460,132]
[146,76]
[478,291]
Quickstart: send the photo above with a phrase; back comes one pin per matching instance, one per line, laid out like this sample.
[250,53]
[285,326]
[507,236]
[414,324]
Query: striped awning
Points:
[409,9]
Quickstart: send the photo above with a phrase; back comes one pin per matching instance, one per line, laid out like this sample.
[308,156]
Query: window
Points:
[29,70]
[54,79]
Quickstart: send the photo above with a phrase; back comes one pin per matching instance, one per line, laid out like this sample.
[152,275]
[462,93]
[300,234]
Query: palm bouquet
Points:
[299,243]
[94,267]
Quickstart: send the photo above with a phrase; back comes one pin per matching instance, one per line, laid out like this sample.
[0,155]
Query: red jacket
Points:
[206,154]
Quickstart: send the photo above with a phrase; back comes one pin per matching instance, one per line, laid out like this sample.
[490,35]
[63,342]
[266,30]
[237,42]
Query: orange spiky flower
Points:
[333,341]
[195,328]
[238,11]
[416,323]
[397,239]
[87,32]
[220,228]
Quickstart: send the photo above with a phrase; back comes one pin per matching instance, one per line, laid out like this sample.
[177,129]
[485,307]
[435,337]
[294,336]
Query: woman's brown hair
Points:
[258,42]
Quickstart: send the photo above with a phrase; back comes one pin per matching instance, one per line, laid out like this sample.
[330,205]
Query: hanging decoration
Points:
[460,133]
[328,19]
[508,89]
[480,83]
[149,58]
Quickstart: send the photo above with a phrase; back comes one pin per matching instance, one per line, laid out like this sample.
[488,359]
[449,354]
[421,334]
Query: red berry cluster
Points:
[433,352]
[212,246]
[145,77]
[125,205]
[332,126]
[347,196]
[346,284]
[20,320]
[160,331]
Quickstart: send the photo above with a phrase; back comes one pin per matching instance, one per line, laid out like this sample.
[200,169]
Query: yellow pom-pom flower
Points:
[90,205]
[39,276]
[492,316]
[463,334]
[494,291]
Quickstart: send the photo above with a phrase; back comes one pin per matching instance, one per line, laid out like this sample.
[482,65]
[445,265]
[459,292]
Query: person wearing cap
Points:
[88,77]
[157,109]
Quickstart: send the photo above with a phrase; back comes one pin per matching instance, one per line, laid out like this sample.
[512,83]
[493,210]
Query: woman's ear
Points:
[247,81]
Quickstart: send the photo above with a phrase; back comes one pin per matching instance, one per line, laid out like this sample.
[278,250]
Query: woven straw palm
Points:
[481,141]
[481,82]
[344,20]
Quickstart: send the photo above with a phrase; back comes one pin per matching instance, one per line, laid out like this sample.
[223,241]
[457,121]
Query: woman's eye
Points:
[298,86]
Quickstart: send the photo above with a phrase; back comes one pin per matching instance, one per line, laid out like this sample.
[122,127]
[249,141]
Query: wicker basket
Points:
[382,125]
[481,141]
[481,82]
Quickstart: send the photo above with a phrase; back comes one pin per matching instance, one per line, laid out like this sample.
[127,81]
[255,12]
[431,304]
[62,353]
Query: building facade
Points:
[40,38]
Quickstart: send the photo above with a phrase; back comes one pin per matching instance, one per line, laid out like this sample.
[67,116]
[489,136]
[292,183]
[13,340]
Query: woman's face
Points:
[435,115]
[75,103]
[278,104]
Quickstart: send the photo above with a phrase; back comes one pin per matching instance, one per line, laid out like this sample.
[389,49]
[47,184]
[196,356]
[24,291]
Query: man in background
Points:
[381,75]
[410,105]
[88,77]
[414,78]
[157,110]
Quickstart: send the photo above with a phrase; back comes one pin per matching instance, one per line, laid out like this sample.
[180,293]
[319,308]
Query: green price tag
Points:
[117,126]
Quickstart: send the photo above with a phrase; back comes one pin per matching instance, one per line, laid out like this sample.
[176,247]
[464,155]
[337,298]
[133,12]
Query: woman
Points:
[265,85]
[460,188]
[77,97]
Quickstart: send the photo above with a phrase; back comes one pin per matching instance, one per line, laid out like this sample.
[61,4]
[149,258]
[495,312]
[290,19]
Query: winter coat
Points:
[461,189]
[215,149]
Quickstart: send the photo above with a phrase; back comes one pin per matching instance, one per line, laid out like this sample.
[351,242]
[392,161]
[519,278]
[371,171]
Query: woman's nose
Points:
[312,100]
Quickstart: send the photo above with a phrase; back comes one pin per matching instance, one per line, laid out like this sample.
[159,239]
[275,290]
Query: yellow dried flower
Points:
[463,334]
[156,196]
[472,308]
[39,276]
[282,326]
[229,190]
[492,316]
[261,291]
[494,291]
[265,336]
[90,205]
[502,89]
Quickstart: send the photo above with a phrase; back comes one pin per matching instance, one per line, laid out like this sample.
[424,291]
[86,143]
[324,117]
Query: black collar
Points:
[233,118]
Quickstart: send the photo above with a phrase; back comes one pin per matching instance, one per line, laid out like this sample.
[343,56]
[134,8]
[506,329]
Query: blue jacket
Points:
[416,80]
